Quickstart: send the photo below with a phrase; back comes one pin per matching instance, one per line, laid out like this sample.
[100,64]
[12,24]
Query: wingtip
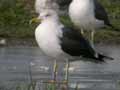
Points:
[103,57]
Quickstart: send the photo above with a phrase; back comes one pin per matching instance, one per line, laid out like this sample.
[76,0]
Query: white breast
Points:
[47,36]
[82,14]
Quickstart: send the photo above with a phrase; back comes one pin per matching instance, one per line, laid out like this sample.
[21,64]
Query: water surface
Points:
[18,64]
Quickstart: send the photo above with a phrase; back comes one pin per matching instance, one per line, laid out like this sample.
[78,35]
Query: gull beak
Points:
[35,20]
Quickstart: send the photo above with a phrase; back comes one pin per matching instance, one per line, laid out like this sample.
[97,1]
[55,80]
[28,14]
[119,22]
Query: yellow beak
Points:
[34,20]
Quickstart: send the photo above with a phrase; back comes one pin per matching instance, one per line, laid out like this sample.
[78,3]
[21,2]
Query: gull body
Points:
[83,16]
[58,41]
[88,15]
[48,34]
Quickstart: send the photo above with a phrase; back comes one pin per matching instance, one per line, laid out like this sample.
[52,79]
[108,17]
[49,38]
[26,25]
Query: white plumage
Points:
[47,34]
[83,16]
[84,13]
[60,42]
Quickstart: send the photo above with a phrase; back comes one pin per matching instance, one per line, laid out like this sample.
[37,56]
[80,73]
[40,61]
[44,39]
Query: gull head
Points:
[48,14]
[45,15]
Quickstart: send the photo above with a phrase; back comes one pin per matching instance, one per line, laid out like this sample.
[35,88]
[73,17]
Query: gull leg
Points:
[65,82]
[67,70]
[82,31]
[92,38]
[52,83]
[55,70]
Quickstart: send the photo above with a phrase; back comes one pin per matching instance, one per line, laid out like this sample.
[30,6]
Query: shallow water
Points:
[25,64]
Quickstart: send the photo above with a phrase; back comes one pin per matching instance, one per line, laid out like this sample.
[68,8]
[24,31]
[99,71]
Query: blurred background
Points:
[23,65]
[15,16]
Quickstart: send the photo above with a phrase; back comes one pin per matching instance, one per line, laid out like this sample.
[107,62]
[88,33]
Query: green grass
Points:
[17,32]
[14,19]
[15,16]
[102,35]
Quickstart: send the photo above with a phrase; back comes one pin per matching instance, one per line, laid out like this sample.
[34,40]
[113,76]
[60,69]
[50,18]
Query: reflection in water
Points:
[16,64]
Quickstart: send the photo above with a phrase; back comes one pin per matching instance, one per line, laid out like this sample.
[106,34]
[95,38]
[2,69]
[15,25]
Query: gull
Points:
[58,41]
[63,43]
[88,15]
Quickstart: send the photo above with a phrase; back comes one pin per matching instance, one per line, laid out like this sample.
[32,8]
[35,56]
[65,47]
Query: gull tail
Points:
[102,57]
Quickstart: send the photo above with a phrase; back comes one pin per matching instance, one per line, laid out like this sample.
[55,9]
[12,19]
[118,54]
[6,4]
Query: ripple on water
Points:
[19,63]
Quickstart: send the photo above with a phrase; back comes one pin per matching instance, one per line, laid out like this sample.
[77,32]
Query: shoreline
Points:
[30,42]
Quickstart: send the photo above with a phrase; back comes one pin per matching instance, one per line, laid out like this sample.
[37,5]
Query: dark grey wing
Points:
[75,44]
[100,13]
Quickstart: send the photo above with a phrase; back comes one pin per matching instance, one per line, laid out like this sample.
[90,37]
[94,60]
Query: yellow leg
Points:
[65,82]
[52,83]
[67,70]
[82,31]
[92,38]
[55,70]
